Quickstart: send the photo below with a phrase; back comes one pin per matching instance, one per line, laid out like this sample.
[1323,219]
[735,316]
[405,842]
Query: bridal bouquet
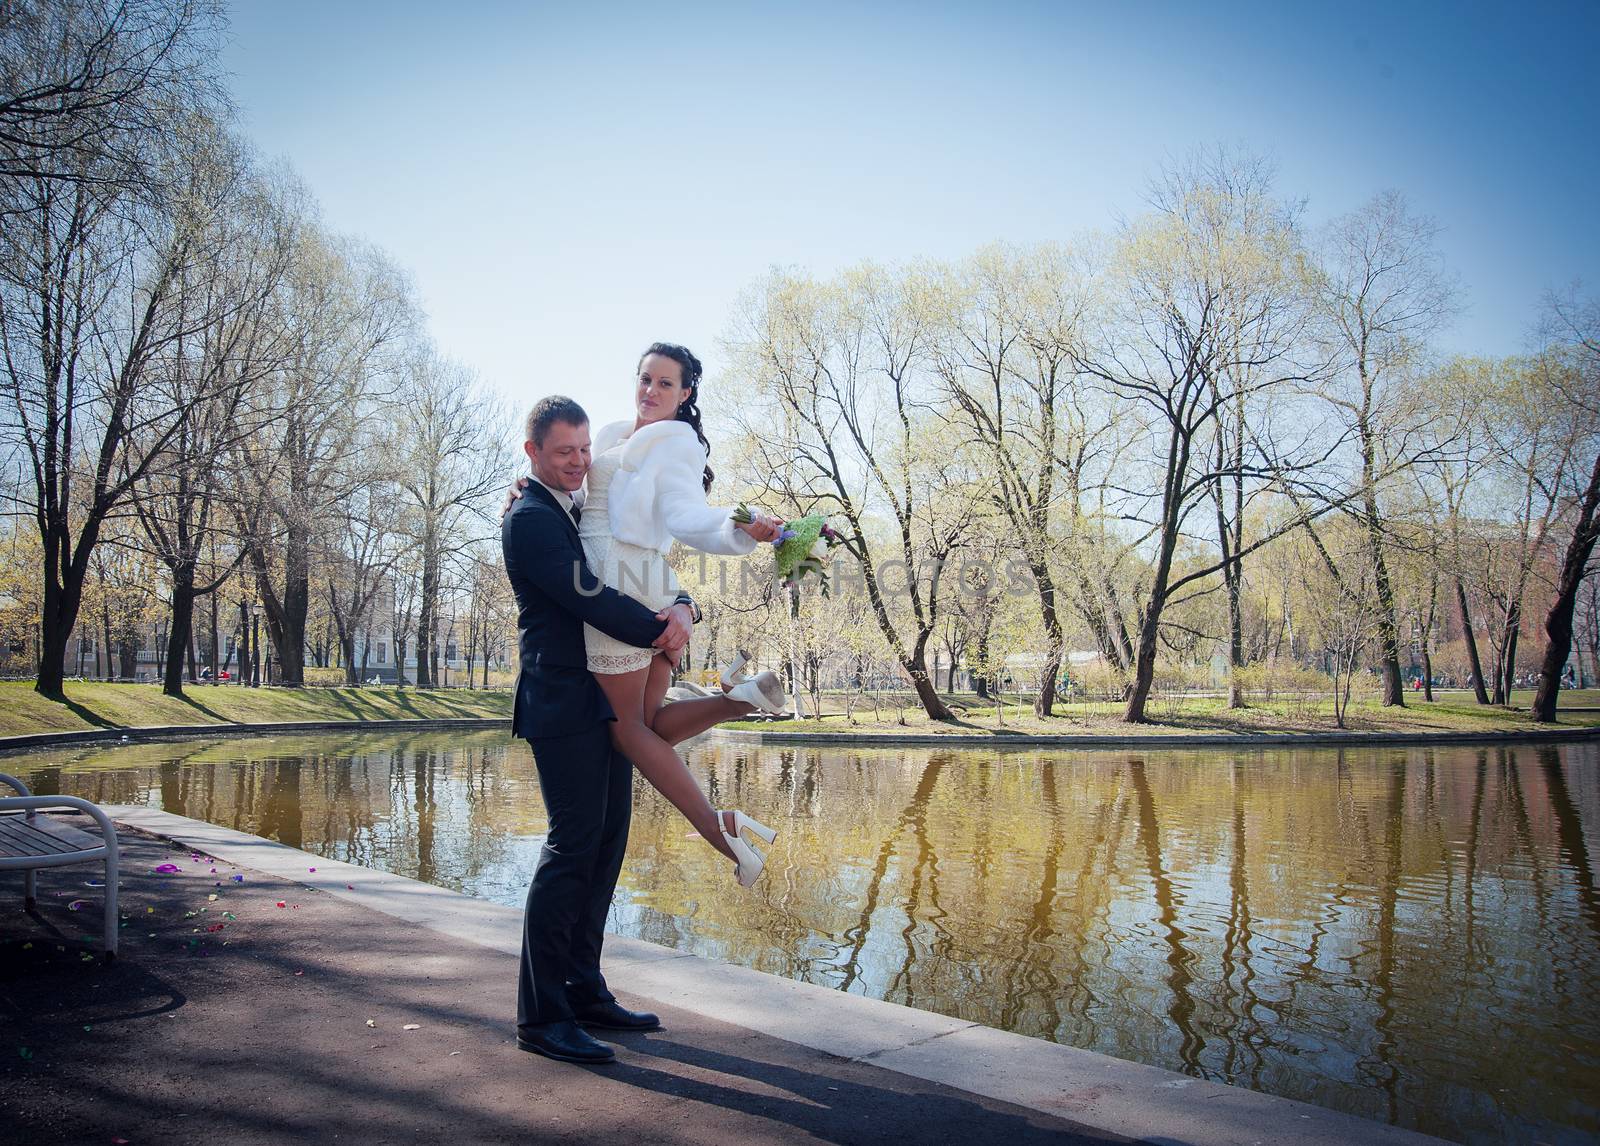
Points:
[801,548]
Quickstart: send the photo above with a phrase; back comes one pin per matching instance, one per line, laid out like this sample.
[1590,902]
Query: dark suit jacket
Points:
[556,594]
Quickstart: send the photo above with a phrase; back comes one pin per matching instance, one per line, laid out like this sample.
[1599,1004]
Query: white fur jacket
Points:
[657,494]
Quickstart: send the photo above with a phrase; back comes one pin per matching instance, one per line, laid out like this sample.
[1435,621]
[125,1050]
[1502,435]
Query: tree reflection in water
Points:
[1406,935]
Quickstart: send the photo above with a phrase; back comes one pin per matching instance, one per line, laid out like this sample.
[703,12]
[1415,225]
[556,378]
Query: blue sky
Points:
[567,183]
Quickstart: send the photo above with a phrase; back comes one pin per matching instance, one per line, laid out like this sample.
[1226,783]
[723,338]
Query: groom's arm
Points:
[546,556]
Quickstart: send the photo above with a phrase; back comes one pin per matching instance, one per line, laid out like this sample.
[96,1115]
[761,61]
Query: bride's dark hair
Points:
[690,410]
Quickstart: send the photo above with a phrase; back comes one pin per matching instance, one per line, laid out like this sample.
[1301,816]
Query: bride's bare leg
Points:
[681,719]
[654,757]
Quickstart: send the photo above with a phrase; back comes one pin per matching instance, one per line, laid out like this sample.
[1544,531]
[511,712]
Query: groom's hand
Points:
[680,625]
[514,492]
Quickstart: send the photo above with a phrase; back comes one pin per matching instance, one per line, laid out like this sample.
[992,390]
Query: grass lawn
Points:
[1452,712]
[100,705]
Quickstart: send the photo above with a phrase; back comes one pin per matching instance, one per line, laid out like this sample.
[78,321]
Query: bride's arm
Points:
[681,504]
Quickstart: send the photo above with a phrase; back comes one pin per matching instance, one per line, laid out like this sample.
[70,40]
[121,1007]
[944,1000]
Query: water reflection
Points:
[1413,936]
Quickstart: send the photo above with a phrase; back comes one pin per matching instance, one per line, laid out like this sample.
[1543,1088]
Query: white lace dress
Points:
[641,573]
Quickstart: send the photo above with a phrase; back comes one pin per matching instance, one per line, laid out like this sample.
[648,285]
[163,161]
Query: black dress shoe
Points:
[613,1016]
[566,1041]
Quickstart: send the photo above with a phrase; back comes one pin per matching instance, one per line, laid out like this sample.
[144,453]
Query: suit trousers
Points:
[587,787]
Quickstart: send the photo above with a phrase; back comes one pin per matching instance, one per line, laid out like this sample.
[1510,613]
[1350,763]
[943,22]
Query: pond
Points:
[1411,935]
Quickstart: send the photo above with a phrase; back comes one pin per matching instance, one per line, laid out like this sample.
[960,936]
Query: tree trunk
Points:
[347,653]
[1508,667]
[290,635]
[242,645]
[1474,663]
[1394,692]
[1044,703]
[216,650]
[1098,614]
[1144,668]
[427,617]
[181,625]
[1558,623]
[932,704]
[980,679]
[109,672]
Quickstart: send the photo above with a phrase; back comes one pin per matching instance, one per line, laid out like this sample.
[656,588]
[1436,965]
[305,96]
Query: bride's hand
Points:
[761,527]
[512,493]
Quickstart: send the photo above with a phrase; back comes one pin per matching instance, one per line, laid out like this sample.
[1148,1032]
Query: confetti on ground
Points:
[237,878]
[282,904]
[94,883]
[452,1054]
[25,1053]
[297,974]
[349,887]
[77,905]
[412,1027]
[211,899]
[229,915]
[168,868]
[149,911]
[216,927]
[372,1022]
[311,869]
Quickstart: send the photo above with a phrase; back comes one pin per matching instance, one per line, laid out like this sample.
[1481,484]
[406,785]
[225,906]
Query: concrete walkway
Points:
[264,995]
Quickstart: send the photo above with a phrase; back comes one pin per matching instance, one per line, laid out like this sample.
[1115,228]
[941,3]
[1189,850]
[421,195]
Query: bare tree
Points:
[449,458]
[213,379]
[346,313]
[1383,292]
[358,564]
[92,292]
[1007,364]
[1205,307]
[86,84]
[840,422]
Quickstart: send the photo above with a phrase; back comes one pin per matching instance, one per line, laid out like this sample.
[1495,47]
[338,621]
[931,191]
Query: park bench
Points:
[29,841]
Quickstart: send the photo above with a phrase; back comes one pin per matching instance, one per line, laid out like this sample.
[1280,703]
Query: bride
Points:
[646,487]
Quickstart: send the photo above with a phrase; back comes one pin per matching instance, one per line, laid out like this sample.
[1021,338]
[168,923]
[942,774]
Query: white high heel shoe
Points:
[763,691]
[750,861]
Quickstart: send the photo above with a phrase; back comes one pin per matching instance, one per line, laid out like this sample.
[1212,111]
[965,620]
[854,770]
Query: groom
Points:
[560,710]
